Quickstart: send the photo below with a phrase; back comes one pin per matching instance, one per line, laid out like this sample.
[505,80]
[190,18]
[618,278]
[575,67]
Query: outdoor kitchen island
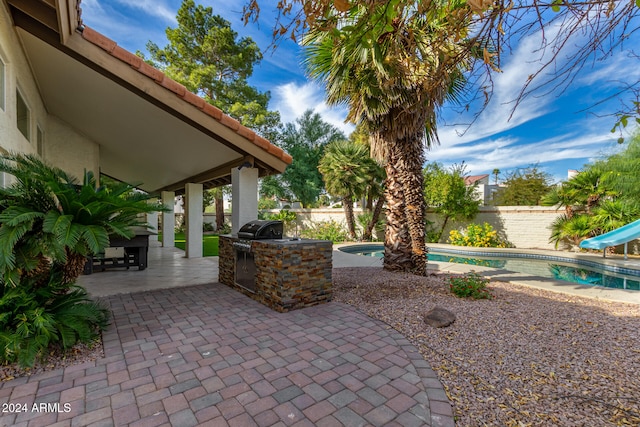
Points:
[283,274]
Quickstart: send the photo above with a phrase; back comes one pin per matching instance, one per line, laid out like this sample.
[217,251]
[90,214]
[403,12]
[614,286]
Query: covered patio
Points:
[109,111]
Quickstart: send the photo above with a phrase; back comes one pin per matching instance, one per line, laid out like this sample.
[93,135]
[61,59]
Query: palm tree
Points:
[347,171]
[50,222]
[574,229]
[397,99]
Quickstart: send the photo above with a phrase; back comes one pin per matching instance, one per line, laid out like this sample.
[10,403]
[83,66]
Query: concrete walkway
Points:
[203,354]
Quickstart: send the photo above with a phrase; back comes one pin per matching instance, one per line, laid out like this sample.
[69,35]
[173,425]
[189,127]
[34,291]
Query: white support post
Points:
[168,219]
[152,221]
[193,217]
[244,198]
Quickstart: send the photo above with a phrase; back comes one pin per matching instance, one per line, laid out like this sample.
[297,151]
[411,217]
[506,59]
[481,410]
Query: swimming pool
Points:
[549,266]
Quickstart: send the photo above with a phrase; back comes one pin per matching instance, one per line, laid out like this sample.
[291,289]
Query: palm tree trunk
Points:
[73,267]
[405,247]
[374,219]
[410,166]
[347,203]
[397,240]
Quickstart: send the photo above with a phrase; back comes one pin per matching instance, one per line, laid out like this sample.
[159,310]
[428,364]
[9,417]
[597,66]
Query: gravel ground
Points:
[57,358]
[528,357]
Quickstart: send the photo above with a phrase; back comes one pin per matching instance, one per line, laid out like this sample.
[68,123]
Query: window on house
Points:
[40,138]
[23,115]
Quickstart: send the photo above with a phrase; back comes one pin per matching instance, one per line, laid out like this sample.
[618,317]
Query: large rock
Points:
[439,317]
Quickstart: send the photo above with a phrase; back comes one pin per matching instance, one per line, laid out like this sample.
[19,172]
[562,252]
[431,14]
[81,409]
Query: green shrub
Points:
[470,285]
[33,320]
[49,223]
[326,230]
[264,204]
[479,236]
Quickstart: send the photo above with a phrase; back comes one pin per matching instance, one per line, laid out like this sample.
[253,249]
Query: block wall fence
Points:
[526,227]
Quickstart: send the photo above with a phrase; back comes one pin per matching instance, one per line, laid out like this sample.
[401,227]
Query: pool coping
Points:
[612,263]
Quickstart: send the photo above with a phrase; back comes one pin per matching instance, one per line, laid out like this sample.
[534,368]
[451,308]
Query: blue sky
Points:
[552,131]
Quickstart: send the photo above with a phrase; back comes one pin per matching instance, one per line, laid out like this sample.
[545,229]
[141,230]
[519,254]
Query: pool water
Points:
[538,267]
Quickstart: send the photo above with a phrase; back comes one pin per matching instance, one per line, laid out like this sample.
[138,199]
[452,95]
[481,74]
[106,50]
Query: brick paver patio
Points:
[206,355]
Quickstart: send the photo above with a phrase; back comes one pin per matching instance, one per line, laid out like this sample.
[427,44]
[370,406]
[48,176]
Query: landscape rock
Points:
[439,317]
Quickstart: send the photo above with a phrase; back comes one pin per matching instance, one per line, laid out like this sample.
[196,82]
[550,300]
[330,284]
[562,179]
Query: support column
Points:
[244,198]
[193,218]
[168,219]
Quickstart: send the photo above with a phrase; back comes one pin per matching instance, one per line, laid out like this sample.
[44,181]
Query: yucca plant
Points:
[49,224]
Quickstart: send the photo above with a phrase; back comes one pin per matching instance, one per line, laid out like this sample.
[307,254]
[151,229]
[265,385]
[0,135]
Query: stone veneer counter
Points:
[290,274]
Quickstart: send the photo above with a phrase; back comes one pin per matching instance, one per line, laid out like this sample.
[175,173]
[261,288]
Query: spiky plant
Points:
[347,171]
[49,220]
[49,224]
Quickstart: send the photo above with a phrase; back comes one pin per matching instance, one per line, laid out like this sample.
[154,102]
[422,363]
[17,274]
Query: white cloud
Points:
[154,8]
[292,100]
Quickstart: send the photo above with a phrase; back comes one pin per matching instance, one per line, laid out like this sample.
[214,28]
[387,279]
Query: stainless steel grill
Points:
[245,261]
[261,229]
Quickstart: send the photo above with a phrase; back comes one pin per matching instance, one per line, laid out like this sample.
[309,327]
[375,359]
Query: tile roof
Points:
[471,179]
[180,91]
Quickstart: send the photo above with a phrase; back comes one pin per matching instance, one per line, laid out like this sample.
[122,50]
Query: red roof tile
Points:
[179,90]
[471,179]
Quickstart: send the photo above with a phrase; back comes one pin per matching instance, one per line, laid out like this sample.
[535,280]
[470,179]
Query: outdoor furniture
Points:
[134,255]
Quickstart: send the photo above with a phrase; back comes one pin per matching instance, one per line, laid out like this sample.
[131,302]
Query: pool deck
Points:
[343,259]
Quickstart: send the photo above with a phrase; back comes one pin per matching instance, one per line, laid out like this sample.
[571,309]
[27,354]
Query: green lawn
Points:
[209,243]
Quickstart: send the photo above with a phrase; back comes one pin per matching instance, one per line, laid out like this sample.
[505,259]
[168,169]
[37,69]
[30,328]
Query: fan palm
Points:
[366,67]
[574,229]
[347,171]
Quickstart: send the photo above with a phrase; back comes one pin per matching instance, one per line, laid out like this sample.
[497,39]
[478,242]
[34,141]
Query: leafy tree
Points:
[347,171]
[524,187]
[621,171]
[215,197]
[206,56]
[305,140]
[445,191]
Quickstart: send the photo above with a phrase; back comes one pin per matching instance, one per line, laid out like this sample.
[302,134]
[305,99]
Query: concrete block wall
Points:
[523,226]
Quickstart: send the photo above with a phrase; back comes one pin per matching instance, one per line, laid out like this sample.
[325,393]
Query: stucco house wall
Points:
[69,150]
[61,146]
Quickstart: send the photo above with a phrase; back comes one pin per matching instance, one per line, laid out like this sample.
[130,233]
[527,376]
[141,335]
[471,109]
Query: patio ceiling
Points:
[150,130]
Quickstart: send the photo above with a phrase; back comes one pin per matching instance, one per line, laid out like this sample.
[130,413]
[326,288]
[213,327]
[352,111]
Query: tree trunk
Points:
[410,173]
[368,232]
[219,202]
[397,240]
[405,247]
[73,267]
[347,204]
[444,225]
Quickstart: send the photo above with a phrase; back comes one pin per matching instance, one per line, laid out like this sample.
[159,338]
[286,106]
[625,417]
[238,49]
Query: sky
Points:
[556,132]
